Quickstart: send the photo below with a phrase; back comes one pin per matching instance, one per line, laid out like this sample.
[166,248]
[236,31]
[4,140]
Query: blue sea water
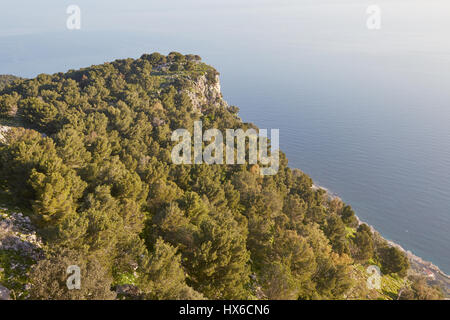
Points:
[366,113]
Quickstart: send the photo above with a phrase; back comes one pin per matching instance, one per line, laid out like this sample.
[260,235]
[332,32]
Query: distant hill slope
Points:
[6,79]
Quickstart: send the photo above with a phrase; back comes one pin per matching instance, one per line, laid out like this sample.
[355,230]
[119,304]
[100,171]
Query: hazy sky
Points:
[113,28]
[27,16]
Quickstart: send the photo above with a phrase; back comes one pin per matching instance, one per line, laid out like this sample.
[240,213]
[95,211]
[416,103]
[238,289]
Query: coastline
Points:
[418,265]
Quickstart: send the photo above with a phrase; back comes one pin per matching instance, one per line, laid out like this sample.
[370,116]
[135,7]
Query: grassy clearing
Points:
[390,284]
[350,232]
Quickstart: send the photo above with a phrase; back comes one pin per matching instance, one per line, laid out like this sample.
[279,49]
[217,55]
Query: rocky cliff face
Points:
[3,130]
[206,93]
[20,247]
[203,89]
[18,234]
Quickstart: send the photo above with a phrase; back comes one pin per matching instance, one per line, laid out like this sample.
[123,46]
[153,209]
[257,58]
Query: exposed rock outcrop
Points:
[206,93]
[3,130]
[4,293]
[18,234]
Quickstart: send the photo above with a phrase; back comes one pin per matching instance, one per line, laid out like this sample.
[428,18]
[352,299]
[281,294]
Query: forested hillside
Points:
[90,167]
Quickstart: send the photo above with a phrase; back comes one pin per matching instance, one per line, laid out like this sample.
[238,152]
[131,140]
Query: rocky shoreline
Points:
[434,275]
[419,266]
